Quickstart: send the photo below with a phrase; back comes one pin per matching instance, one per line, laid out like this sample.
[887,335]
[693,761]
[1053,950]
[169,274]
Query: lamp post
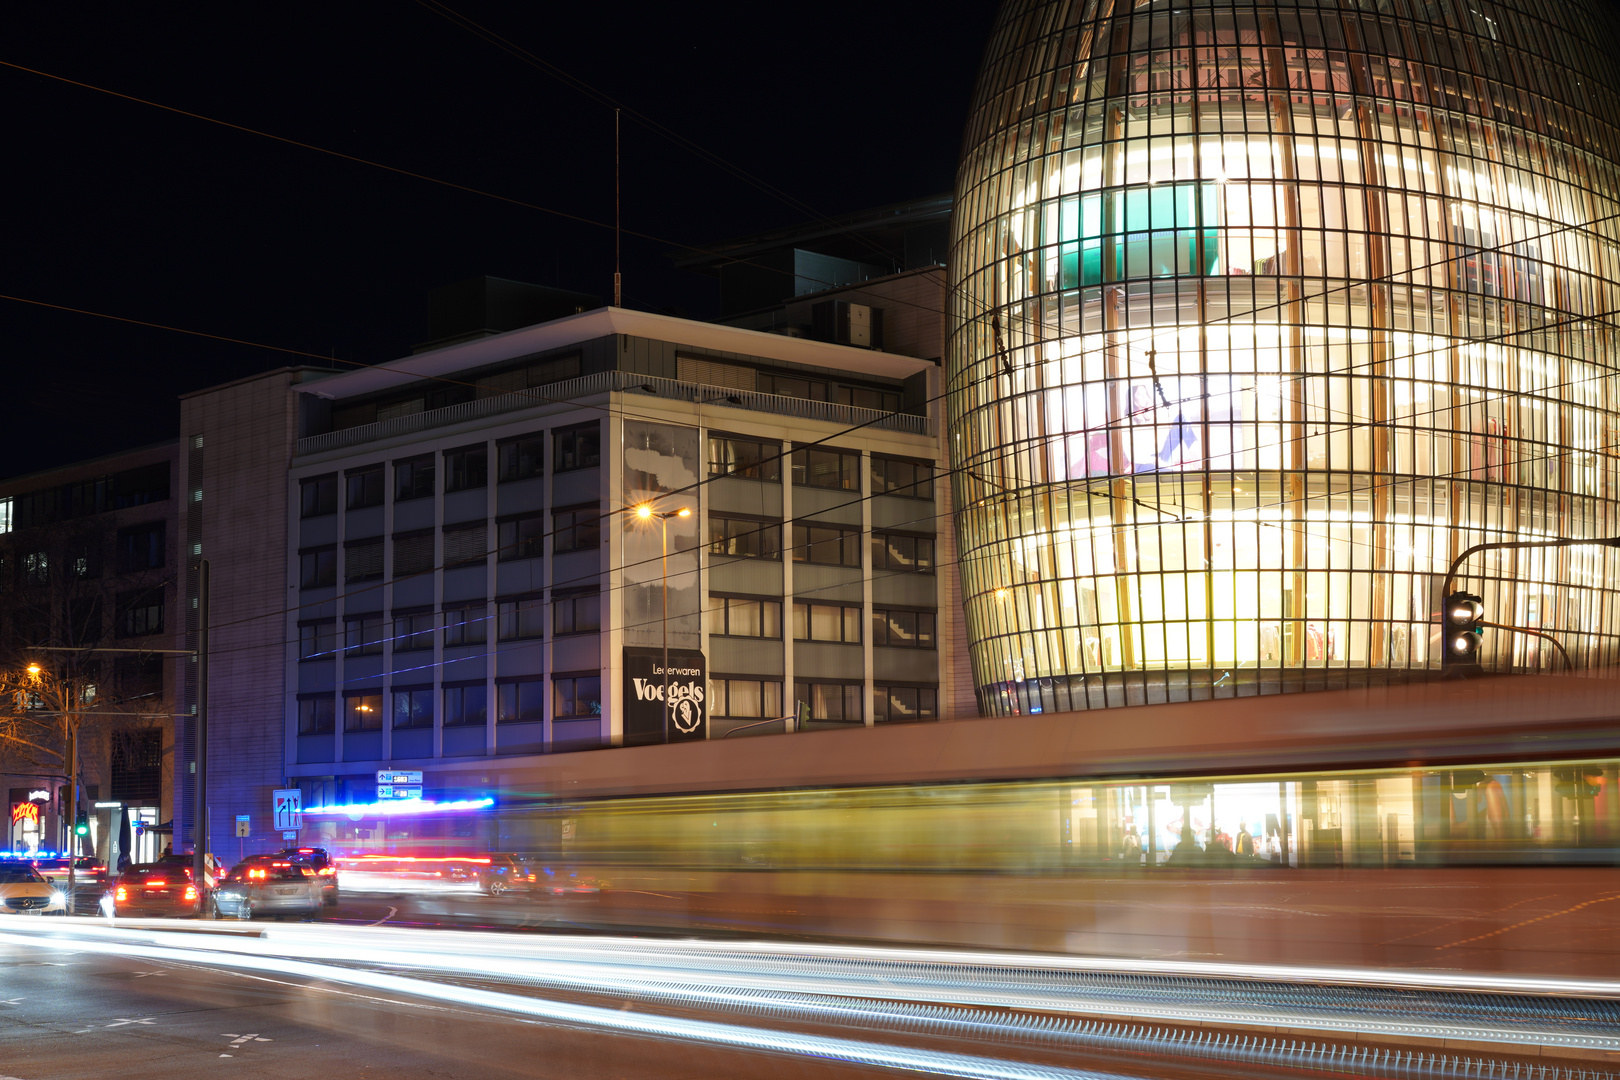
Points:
[645,512]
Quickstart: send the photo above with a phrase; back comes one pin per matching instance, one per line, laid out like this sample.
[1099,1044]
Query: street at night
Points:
[1030,540]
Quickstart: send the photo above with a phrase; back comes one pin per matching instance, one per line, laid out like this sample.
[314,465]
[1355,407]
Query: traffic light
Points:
[82,826]
[1462,623]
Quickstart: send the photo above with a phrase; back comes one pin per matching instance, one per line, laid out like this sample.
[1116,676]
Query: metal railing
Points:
[603,382]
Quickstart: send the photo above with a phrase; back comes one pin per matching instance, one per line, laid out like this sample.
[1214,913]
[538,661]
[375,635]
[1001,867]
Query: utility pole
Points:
[199,859]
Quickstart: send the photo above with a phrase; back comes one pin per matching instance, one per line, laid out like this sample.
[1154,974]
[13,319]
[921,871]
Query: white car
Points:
[24,891]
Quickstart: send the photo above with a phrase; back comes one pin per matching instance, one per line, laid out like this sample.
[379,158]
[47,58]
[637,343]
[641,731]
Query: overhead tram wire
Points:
[779,456]
[465,188]
[960,292]
[574,82]
[1386,279]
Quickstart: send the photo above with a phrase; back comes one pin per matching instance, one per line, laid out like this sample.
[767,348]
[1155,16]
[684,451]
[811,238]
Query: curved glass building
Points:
[1262,314]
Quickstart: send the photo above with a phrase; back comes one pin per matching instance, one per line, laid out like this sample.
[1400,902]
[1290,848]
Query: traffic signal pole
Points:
[1501,545]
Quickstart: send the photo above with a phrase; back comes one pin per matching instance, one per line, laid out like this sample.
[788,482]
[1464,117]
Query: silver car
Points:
[274,887]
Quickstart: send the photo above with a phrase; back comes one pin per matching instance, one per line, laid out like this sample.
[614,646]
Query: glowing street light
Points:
[645,512]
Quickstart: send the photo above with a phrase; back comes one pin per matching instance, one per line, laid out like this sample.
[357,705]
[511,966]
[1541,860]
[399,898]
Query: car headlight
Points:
[58,897]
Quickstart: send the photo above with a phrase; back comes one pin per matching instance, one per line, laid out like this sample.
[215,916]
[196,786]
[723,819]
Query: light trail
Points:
[896,989]
[731,1035]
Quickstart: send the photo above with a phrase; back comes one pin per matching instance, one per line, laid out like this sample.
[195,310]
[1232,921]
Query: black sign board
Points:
[647,716]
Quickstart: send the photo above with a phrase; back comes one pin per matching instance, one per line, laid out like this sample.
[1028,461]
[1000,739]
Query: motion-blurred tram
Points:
[1497,772]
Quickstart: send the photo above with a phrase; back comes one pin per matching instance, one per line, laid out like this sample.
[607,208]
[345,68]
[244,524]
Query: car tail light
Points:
[327,871]
[531,877]
[122,893]
[191,892]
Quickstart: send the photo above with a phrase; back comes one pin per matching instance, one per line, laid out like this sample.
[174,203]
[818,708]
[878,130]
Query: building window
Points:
[576,528]
[140,613]
[317,569]
[363,635]
[362,711]
[523,537]
[140,547]
[365,487]
[744,699]
[316,715]
[413,553]
[466,468]
[578,447]
[734,455]
[902,704]
[746,538]
[36,568]
[897,476]
[318,496]
[827,545]
[826,622]
[363,560]
[413,478]
[742,616]
[465,544]
[317,640]
[522,701]
[897,551]
[413,707]
[84,558]
[832,703]
[576,613]
[464,706]
[466,625]
[524,618]
[820,467]
[413,630]
[903,629]
[522,458]
[577,696]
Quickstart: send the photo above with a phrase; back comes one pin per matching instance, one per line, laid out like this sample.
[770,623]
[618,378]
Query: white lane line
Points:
[732,1035]
[9,1001]
[391,913]
[121,1022]
[148,974]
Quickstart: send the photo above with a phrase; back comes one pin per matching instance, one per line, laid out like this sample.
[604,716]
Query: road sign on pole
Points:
[288,806]
[243,825]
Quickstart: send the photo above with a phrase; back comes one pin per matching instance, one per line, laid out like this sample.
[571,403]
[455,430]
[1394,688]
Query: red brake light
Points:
[157,881]
[327,870]
[191,892]
[122,893]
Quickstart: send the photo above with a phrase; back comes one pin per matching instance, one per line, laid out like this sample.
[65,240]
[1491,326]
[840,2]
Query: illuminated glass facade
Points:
[1261,315]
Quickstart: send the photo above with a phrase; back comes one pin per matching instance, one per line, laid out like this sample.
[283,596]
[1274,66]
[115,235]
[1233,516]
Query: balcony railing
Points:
[617,382]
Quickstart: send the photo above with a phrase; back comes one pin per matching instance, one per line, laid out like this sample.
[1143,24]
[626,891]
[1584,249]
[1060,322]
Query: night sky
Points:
[121,208]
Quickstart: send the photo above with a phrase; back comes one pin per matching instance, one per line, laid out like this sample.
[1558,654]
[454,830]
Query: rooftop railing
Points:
[603,382]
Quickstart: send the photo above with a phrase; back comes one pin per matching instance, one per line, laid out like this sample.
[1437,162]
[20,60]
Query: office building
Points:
[469,582]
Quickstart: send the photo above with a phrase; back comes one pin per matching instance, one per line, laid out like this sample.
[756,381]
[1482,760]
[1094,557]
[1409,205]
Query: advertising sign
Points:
[648,716]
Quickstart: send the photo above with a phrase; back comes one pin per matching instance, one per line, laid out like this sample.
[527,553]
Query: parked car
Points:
[153,889]
[260,886]
[25,891]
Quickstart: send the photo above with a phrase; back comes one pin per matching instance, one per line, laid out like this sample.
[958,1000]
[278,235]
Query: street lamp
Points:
[646,513]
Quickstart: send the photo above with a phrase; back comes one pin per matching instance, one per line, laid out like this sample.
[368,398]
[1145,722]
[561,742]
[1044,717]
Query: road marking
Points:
[242,1039]
[391,913]
[8,1001]
[121,1022]
[148,974]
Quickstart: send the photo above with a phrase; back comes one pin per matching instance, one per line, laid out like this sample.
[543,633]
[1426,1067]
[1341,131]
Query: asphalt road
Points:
[89,997]
[69,1016]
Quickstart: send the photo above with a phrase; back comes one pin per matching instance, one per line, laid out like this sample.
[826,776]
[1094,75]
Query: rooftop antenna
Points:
[618,297]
